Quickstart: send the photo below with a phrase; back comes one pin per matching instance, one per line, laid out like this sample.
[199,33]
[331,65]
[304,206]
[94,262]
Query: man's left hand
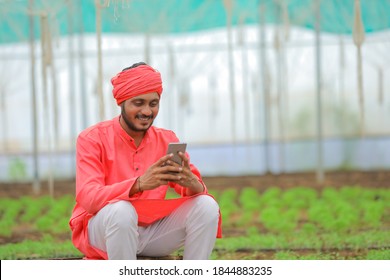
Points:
[187,178]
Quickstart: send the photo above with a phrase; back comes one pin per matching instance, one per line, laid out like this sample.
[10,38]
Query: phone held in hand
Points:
[175,148]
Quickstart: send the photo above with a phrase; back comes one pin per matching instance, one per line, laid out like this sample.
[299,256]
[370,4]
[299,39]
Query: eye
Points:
[154,104]
[138,103]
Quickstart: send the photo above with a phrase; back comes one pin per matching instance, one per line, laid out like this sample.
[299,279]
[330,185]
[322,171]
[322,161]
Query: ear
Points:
[123,105]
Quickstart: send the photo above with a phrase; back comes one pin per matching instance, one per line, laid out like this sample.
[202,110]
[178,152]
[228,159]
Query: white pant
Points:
[194,224]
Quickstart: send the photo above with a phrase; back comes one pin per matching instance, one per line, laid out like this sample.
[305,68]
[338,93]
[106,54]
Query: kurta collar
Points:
[119,129]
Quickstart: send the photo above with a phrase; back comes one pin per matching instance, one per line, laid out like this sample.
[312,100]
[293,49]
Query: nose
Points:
[146,110]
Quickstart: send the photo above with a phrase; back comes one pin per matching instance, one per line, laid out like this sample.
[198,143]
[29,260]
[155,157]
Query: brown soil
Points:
[372,179]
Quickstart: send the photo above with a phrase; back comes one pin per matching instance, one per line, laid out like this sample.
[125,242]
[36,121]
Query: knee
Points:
[122,214]
[207,207]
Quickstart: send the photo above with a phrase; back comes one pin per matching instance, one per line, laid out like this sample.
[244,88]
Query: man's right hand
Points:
[160,173]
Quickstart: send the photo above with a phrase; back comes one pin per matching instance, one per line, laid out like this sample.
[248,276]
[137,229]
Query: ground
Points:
[369,179]
[374,179]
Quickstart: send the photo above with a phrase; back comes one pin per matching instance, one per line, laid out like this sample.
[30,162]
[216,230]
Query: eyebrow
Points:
[143,99]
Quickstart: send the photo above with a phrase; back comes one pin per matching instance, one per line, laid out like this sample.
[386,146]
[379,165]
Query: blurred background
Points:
[254,87]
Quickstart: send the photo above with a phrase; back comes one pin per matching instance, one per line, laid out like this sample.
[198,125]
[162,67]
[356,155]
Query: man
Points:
[123,174]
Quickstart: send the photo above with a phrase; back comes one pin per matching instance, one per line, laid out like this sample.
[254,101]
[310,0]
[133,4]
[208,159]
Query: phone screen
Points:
[175,148]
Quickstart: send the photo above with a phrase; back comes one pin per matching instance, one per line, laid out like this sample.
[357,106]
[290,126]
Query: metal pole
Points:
[4,117]
[320,169]
[279,48]
[46,58]
[72,86]
[266,97]
[172,76]
[99,81]
[245,88]
[358,39]
[81,58]
[279,88]
[342,83]
[360,89]
[36,182]
[228,9]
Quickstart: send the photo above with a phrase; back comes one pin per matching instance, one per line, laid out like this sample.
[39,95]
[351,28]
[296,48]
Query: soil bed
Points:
[367,179]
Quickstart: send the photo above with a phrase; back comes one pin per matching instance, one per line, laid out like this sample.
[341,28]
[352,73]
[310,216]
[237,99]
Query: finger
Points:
[165,178]
[172,163]
[186,161]
[170,168]
[163,160]
[171,177]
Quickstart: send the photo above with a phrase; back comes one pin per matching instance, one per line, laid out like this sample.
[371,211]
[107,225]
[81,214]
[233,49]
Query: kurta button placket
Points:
[136,163]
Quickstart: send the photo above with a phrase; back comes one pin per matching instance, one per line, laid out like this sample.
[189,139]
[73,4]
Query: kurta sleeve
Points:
[91,191]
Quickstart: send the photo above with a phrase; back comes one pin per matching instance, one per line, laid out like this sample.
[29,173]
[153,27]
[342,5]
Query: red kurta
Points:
[108,164]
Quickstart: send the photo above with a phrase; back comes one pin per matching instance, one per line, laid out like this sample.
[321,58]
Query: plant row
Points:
[42,214]
[343,210]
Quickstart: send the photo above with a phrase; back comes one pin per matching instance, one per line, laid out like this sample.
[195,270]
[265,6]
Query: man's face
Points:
[139,112]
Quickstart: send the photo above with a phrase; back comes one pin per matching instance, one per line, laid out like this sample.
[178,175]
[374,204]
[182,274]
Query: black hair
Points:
[134,65]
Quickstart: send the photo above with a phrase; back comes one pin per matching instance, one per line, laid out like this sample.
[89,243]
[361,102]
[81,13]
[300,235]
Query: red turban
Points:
[136,81]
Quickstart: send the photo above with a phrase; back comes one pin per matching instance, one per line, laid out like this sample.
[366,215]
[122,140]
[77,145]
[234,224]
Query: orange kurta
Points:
[108,164]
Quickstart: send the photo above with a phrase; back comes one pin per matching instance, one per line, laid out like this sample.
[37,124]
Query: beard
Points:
[131,125]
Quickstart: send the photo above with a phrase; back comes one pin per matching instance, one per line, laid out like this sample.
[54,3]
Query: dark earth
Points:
[367,179]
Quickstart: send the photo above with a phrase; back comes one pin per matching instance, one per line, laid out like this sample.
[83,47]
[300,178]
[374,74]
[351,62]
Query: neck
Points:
[136,135]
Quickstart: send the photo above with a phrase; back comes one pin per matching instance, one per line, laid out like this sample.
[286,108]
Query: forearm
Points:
[196,188]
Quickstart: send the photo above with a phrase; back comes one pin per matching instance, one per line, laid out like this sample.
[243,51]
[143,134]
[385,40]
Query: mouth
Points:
[144,118]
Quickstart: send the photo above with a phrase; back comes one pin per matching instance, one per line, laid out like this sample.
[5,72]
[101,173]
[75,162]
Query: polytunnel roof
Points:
[180,16]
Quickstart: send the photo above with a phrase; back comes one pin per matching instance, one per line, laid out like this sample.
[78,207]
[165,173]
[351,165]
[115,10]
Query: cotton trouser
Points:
[194,224]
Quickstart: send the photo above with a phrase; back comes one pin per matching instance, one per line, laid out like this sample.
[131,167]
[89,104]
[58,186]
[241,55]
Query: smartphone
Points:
[175,148]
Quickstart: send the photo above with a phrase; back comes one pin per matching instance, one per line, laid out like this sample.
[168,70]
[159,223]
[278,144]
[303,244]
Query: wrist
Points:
[139,184]
[196,187]
[136,187]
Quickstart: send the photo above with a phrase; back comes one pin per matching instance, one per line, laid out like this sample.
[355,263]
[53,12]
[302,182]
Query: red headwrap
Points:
[136,81]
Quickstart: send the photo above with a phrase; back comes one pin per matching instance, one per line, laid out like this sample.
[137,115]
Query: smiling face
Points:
[138,113]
